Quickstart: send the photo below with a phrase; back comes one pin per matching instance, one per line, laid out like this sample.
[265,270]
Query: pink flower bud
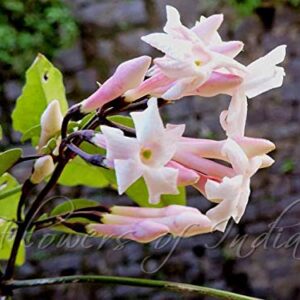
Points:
[142,232]
[128,75]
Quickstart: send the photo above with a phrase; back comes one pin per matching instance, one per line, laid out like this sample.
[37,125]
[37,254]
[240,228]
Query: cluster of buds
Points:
[196,62]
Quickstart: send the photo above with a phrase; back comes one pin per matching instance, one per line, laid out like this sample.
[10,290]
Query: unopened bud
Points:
[43,167]
[51,121]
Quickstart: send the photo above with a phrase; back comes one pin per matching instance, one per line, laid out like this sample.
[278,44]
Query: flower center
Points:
[198,62]
[146,154]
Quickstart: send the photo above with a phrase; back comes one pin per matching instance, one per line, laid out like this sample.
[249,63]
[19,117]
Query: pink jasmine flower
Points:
[146,155]
[184,69]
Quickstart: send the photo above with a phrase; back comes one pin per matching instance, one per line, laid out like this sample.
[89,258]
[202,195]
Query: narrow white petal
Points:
[148,124]
[127,172]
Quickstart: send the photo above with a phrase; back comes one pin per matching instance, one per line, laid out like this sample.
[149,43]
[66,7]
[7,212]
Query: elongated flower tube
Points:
[146,155]
[51,121]
[147,224]
[143,232]
[212,149]
[128,75]
[43,167]
[186,176]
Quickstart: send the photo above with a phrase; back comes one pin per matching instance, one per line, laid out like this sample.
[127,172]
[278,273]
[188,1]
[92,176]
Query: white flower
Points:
[146,155]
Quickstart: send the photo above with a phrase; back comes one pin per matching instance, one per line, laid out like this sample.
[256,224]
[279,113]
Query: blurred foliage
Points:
[247,7]
[31,26]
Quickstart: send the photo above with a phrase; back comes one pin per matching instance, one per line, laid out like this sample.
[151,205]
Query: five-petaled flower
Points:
[146,155]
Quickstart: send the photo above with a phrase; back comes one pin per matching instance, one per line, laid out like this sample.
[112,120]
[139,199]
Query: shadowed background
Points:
[109,32]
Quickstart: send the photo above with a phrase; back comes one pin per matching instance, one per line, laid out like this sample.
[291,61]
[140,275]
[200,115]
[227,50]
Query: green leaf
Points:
[1,133]
[139,194]
[6,243]
[123,120]
[68,207]
[9,158]
[33,133]
[8,213]
[78,172]
[72,205]
[43,84]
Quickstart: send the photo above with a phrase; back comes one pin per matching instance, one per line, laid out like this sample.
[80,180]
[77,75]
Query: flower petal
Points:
[159,182]
[127,172]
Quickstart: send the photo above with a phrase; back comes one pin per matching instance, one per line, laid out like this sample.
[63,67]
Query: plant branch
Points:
[29,218]
[129,281]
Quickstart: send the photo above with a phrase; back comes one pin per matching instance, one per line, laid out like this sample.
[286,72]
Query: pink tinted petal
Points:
[174,69]
[185,176]
[183,87]
[146,212]
[207,27]
[200,185]
[127,172]
[218,83]
[203,165]
[148,87]
[143,232]
[231,48]
[255,146]
[188,224]
[159,182]
[127,76]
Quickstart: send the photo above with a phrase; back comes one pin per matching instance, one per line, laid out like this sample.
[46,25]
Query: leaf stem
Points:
[129,281]
[11,192]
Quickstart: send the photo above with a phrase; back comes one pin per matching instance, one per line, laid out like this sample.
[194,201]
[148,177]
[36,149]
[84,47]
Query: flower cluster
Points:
[196,62]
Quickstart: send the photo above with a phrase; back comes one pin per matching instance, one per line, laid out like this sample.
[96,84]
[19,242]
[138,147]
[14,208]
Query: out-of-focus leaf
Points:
[68,207]
[78,172]
[8,159]
[71,205]
[139,194]
[33,133]
[123,120]
[43,84]
[8,213]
